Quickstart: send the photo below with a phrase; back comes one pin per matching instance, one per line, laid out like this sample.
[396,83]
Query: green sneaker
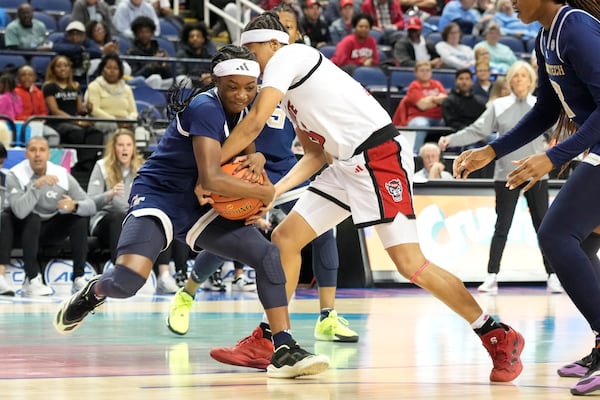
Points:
[178,320]
[334,329]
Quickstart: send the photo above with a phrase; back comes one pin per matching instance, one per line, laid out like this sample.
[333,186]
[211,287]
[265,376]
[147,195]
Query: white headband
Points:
[263,35]
[237,66]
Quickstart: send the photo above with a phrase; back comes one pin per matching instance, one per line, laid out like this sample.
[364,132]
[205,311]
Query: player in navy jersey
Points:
[168,202]
[568,92]
[370,177]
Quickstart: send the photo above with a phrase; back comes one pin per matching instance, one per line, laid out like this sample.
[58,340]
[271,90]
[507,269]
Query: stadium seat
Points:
[370,77]
[124,43]
[434,37]
[63,22]
[446,77]
[39,65]
[151,96]
[401,78]
[166,45]
[47,19]
[377,35]
[11,61]
[516,45]
[54,6]
[328,51]
[530,45]
[11,4]
[167,28]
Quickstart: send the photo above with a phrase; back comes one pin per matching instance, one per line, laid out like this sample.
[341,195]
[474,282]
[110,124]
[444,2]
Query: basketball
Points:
[235,208]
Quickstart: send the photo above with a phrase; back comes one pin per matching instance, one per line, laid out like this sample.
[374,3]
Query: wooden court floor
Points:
[411,347]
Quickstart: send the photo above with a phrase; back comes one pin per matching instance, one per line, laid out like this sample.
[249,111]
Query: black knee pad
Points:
[271,265]
[120,282]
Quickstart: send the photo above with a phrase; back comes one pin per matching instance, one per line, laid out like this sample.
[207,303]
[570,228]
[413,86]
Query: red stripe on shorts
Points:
[390,180]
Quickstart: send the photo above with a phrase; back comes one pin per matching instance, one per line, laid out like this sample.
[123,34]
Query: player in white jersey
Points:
[370,177]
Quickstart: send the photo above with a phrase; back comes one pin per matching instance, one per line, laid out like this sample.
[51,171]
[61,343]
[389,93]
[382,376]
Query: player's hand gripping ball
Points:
[235,207]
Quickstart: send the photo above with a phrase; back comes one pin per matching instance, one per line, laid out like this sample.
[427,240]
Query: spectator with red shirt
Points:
[33,102]
[358,49]
[387,17]
[423,102]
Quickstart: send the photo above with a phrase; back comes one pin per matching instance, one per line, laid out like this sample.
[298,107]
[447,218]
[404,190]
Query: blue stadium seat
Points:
[166,45]
[530,45]
[446,77]
[48,20]
[11,61]
[516,45]
[469,40]
[370,77]
[377,35]
[400,79]
[167,28]
[328,51]
[63,22]
[434,37]
[39,65]
[12,4]
[124,43]
[55,6]
[149,95]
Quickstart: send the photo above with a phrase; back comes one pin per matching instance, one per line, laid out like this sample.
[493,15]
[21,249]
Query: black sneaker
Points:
[289,361]
[74,309]
[180,278]
[214,283]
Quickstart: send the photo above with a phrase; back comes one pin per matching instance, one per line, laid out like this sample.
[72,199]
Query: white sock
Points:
[478,323]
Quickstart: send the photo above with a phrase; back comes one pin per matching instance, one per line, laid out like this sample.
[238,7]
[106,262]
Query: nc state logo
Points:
[394,188]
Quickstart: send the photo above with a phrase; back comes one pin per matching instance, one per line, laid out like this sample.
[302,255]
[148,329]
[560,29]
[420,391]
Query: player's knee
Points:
[271,266]
[123,283]
[284,240]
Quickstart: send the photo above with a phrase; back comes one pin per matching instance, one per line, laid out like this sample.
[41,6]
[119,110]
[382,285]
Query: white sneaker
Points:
[6,288]
[553,284]
[243,284]
[490,285]
[35,287]
[166,284]
[79,283]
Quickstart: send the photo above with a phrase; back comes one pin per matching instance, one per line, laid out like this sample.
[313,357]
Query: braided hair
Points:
[590,6]
[266,20]
[179,97]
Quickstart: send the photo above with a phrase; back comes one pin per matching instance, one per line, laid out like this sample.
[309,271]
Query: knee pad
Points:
[120,282]
[271,265]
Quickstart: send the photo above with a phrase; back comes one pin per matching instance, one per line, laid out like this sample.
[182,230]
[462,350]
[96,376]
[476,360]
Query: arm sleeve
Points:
[22,201]
[97,189]
[478,130]
[86,206]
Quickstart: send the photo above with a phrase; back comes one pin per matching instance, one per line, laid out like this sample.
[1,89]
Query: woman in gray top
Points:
[501,115]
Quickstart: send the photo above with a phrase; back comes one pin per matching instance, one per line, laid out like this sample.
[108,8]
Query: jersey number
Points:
[277,119]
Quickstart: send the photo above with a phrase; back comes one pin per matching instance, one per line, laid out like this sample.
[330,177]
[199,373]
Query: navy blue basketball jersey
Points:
[275,142]
[167,179]
[569,78]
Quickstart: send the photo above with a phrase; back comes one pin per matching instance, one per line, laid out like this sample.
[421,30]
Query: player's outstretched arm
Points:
[472,160]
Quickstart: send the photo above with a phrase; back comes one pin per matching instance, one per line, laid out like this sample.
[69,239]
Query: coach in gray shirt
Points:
[46,204]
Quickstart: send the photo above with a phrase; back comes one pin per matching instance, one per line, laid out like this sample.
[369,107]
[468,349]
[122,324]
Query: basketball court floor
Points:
[411,347]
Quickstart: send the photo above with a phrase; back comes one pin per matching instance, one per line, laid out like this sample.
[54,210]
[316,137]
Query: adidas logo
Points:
[243,67]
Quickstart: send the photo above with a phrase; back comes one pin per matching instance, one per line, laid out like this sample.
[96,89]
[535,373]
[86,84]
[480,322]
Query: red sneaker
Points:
[504,346]
[253,351]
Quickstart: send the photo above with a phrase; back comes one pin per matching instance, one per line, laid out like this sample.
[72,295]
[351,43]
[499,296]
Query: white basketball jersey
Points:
[323,100]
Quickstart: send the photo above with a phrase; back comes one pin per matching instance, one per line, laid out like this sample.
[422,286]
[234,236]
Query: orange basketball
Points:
[232,207]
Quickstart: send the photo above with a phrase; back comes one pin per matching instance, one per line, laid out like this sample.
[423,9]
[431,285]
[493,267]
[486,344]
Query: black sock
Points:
[281,338]
[488,326]
[325,313]
[266,331]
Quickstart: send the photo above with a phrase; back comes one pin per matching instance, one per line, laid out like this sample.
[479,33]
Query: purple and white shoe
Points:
[577,369]
[587,385]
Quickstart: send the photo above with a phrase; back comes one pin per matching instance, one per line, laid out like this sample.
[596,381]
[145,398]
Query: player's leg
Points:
[503,343]
[229,239]
[142,238]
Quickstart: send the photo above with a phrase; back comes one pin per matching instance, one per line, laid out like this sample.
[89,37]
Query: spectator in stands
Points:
[144,44]
[195,43]
[461,108]
[433,168]
[46,204]
[99,33]
[483,83]
[127,11]
[79,48]
[500,88]
[482,54]
[6,288]
[86,11]
[423,102]
[33,102]
[358,49]
[454,55]
[314,25]
[486,11]
[109,186]
[162,8]
[387,17]
[511,25]
[501,56]
[62,97]
[342,26]
[427,7]
[461,12]
[111,97]
[25,32]
[10,105]
[413,47]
